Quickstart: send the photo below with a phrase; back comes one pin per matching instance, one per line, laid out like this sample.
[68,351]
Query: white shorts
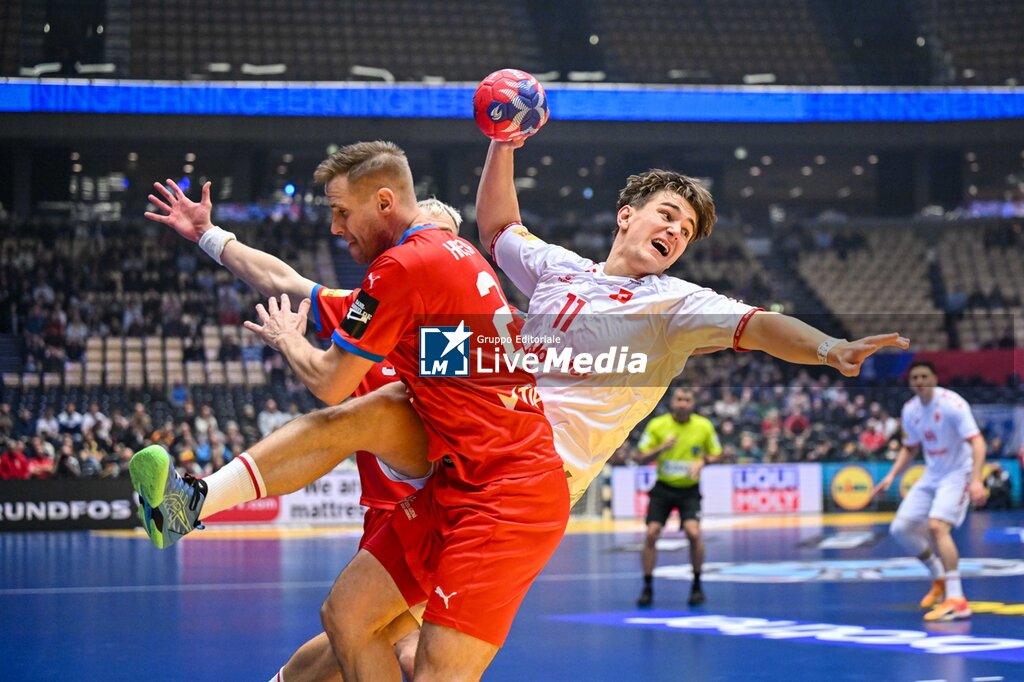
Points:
[416,483]
[944,498]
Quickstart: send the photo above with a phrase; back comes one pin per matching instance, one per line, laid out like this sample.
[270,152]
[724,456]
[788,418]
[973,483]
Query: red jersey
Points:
[378,491]
[486,426]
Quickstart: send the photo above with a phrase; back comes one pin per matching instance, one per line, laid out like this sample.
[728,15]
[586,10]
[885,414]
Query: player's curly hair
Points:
[640,188]
[365,159]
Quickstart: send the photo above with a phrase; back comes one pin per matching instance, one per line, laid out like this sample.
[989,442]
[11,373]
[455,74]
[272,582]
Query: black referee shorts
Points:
[665,498]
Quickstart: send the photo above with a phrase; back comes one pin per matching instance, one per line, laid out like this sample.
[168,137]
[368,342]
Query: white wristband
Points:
[213,242]
[825,347]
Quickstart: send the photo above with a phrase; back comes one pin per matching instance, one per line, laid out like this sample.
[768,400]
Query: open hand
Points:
[279,322]
[847,357]
[186,217]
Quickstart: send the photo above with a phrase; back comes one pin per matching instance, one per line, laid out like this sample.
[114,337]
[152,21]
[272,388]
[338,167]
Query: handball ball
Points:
[510,104]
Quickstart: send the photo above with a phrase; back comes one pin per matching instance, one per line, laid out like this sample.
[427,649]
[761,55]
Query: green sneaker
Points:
[169,505]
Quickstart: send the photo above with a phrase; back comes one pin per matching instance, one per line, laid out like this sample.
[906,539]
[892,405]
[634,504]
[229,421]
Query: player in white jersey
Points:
[628,301]
[938,422]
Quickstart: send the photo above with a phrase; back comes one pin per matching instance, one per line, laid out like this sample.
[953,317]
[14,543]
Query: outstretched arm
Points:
[789,339]
[268,274]
[496,202]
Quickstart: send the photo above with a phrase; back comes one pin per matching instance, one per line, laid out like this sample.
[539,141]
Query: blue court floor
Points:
[822,598]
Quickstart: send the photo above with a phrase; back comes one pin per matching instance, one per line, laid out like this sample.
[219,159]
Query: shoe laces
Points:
[198,487]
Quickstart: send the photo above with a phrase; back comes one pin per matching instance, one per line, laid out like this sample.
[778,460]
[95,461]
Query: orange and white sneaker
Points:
[935,595]
[950,609]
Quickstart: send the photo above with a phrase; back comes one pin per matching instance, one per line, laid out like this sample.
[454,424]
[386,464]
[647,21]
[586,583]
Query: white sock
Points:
[236,482]
[953,588]
[279,677]
[934,565]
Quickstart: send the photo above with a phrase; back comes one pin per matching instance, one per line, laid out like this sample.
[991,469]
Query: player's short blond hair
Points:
[640,188]
[362,160]
[437,208]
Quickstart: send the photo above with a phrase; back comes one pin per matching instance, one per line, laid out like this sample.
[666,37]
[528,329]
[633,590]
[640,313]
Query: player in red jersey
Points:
[492,514]
[243,480]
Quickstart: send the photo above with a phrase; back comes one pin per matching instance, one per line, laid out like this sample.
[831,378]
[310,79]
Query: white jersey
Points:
[574,304]
[941,428]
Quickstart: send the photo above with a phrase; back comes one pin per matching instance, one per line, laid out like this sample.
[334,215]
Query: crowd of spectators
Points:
[765,411]
[73,444]
[57,286]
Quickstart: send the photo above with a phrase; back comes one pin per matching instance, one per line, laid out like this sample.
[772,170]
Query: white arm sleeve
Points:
[703,317]
[524,257]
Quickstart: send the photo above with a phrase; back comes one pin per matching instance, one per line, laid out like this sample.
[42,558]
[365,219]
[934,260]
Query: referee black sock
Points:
[647,580]
[696,580]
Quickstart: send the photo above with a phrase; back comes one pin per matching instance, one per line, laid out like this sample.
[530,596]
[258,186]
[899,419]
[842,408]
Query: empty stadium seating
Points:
[980,40]
[714,42]
[322,42]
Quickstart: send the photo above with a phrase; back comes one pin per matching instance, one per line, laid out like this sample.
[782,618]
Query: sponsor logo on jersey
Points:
[372,279]
[334,293]
[406,506]
[358,317]
[444,351]
[439,592]
[908,641]
[525,234]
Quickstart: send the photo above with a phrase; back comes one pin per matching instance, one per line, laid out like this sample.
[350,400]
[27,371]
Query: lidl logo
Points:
[851,488]
[910,477]
[444,351]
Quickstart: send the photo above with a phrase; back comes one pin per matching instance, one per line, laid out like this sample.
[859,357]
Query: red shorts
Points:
[372,522]
[472,552]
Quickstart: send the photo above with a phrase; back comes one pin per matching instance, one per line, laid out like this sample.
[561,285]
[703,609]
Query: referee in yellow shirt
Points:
[682,443]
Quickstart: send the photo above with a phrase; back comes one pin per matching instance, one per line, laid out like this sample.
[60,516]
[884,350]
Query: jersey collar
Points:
[414,229]
[627,278]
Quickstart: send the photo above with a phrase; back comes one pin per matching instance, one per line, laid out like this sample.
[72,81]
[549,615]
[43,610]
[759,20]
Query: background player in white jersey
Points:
[939,422]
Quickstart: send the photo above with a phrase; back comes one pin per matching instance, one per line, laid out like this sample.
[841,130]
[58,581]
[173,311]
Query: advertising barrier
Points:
[74,504]
[94,503]
[847,487]
[331,500]
[728,489]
